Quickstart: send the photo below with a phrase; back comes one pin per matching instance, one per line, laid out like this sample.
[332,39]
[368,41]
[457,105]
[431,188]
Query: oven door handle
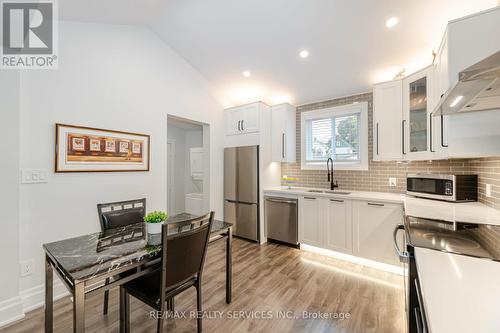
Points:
[402,255]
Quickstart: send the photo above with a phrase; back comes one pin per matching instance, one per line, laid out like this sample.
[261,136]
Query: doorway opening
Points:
[188,166]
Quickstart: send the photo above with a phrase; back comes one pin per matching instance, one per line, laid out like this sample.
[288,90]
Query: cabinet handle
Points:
[283,145]
[442,133]
[377,138]
[309,198]
[336,200]
[239,129]
[430,135]
[242,122]
[403,135]
[376,204]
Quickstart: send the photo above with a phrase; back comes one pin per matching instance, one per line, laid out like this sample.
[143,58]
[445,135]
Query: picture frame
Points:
[89,149]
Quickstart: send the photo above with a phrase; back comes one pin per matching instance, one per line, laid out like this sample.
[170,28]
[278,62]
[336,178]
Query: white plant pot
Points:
[154,228]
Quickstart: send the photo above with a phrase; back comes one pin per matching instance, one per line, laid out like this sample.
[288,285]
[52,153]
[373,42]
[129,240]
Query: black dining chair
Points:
[184,247]
[119,214]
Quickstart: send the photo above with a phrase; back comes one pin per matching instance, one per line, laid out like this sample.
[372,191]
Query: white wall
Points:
[10,302]
[178,135]
[114,77]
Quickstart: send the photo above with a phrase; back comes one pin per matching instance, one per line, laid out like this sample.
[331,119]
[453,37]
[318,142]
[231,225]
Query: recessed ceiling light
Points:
[392,22]
[246,73]
[304,54]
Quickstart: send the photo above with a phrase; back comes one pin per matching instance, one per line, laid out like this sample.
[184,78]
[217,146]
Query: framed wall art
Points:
[87,149]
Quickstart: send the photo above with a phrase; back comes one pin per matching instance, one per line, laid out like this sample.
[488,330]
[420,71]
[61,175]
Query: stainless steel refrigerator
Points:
[241,190]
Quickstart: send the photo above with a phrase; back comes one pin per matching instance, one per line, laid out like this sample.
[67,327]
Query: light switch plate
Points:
[392,182]
[34,176]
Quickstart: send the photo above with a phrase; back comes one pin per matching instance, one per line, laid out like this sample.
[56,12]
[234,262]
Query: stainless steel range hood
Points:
[478,89]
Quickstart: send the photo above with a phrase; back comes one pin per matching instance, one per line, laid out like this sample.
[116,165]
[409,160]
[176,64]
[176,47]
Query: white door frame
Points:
[170,175]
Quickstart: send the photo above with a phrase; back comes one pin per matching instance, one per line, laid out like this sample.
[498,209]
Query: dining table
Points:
[121,254]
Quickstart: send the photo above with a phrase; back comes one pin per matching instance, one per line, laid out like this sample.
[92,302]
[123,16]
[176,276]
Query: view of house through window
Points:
[335,137]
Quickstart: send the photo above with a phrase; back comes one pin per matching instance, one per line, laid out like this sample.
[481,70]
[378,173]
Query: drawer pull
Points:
[336,200]
[376,204]
[309,198]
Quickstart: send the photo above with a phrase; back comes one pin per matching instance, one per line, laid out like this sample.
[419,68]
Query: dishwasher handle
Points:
[292,202]
[402,255]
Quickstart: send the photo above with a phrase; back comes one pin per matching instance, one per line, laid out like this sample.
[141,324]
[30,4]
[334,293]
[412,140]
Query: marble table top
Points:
[88,256]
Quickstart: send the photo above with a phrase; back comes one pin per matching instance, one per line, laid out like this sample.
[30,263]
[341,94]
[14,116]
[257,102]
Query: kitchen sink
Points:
[338,192]
[329,191]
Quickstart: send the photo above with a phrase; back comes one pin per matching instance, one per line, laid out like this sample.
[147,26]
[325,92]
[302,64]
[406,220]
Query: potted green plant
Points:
[154,221]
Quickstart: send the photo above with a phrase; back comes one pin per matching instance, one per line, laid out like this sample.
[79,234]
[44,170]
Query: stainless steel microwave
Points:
[454,188]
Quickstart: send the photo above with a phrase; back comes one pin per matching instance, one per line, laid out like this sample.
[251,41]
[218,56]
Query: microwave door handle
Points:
[402,255]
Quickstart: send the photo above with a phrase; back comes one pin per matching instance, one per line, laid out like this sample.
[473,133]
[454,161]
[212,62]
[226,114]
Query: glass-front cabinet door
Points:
[417,108]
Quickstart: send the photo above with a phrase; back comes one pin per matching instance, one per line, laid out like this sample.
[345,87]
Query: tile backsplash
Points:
[376,178]
[488,170]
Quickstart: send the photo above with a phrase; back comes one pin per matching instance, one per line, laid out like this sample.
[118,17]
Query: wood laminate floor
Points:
[268,281]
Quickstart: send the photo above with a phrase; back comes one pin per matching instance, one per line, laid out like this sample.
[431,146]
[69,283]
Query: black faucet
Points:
[329,168]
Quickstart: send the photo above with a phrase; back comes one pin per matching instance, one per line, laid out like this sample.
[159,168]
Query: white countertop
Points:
[471,212]
[460,294]
[355,195]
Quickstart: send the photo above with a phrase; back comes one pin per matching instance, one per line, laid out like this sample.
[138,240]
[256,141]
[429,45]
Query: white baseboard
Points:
[34,298]
[356,260]
[11,310]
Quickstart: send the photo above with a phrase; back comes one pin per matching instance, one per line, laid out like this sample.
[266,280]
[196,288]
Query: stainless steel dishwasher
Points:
[281,219]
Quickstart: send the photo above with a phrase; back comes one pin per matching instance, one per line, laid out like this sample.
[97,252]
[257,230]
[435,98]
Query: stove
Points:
[457,238]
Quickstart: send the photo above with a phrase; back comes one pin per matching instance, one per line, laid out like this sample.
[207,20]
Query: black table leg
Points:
[79,307]
[229,265]
[49,297]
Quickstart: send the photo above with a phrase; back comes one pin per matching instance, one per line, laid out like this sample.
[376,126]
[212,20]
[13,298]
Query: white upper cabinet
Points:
[243,119]
[387,120]
[418,125]
[403,128]
[283,133]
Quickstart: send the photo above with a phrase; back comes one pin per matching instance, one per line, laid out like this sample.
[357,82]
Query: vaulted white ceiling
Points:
[350,47]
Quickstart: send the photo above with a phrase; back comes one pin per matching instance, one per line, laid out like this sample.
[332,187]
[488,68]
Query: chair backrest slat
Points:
[121,213]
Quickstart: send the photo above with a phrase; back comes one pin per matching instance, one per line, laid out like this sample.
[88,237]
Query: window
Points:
[340,133]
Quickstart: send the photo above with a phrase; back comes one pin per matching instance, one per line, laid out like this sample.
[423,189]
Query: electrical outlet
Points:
[488,190]
[26,267]
[392,182]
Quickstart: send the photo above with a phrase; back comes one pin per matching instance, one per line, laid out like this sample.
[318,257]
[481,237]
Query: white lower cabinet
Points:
[360,228]
[311,221]
[338,226]
[373,225]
